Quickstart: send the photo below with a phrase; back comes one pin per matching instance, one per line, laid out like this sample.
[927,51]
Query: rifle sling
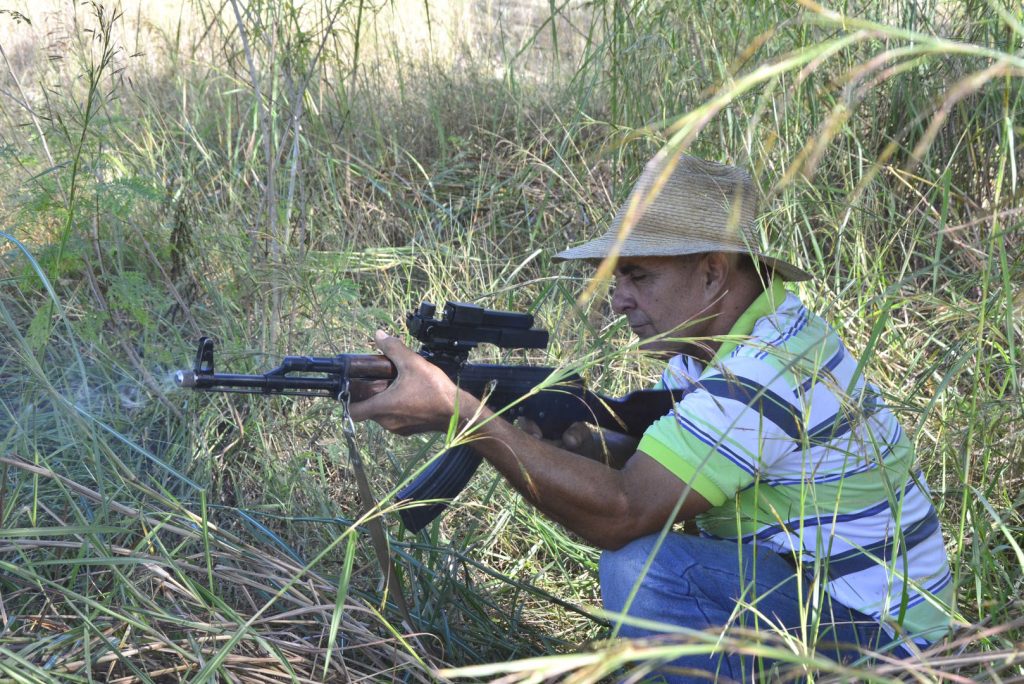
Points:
[392,585]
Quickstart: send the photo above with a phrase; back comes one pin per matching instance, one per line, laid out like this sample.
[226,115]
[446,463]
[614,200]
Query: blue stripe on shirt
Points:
[935,588]
[835,477]
[716,444]
[799,324]
[917,597]
[855,560]
[840,423]
[827,519]
[825,370]
[760,399]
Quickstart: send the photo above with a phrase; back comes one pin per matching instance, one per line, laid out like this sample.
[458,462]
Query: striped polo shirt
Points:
[796,451]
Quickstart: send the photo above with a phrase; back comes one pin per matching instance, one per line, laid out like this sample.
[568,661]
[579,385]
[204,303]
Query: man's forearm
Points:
[607,507]
[586,496]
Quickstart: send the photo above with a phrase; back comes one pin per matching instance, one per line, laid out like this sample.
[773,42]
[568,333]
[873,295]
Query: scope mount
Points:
[462,327]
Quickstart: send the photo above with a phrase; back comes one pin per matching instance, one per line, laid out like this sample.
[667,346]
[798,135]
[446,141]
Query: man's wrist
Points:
[467,411]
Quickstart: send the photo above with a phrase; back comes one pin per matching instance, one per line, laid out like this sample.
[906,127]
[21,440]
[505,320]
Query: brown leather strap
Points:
[392,586]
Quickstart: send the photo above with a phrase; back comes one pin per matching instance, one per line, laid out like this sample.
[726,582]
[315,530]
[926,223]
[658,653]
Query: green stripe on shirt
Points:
[699,482]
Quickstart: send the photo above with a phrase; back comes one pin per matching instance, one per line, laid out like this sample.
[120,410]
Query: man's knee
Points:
[641,567]
[618,571]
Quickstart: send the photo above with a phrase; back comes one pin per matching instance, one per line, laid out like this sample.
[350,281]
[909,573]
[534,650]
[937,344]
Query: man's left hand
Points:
[421,398]
[596,443]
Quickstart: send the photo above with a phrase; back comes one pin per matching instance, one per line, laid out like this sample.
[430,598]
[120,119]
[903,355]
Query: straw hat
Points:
[684,205]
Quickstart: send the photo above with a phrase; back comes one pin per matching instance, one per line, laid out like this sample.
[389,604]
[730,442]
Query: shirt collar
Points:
[765,304]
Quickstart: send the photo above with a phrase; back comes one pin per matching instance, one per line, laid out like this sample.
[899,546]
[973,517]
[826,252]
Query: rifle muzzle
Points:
[185,378]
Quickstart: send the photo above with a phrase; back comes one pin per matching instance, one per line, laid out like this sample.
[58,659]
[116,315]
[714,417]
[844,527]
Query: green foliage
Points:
[290,176]
[132,293]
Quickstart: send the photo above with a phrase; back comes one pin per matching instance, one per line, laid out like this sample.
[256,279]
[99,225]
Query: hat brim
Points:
[599,248]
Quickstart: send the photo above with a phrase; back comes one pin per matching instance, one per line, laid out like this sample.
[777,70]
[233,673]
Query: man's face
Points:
[662,296]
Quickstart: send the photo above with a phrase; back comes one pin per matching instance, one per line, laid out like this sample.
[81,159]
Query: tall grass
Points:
[286,177]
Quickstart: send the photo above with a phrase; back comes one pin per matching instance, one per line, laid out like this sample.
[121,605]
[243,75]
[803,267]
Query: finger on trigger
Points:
[574,434]
[528,426]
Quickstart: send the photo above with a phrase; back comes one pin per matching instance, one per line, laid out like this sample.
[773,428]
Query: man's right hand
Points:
[588,440]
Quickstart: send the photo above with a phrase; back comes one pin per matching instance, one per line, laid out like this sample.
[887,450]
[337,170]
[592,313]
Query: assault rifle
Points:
[447,342]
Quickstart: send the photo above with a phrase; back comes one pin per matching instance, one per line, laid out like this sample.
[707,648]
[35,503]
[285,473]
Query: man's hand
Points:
[598,444]
[607,507]
[421,399]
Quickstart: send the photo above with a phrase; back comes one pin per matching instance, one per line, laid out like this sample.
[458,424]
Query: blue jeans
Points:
[694,582]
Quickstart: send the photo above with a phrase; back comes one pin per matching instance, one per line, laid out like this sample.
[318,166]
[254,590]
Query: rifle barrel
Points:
[366,374]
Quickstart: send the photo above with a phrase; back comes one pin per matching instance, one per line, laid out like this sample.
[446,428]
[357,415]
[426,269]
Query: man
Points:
[794,471]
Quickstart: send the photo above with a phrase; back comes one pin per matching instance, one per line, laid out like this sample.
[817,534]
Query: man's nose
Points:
[621,300]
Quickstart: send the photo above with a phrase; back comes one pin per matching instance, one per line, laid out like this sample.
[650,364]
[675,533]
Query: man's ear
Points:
[715,272]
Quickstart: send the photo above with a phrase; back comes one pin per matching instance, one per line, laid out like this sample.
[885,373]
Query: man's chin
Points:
[659,347]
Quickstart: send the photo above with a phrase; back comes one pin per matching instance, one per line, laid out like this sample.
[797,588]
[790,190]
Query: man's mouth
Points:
[637,328]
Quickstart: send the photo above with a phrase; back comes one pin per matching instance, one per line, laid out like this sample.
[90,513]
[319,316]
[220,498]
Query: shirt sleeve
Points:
[727,430]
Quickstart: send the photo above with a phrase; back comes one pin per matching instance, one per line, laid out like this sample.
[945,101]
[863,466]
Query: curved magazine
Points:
[441,480]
